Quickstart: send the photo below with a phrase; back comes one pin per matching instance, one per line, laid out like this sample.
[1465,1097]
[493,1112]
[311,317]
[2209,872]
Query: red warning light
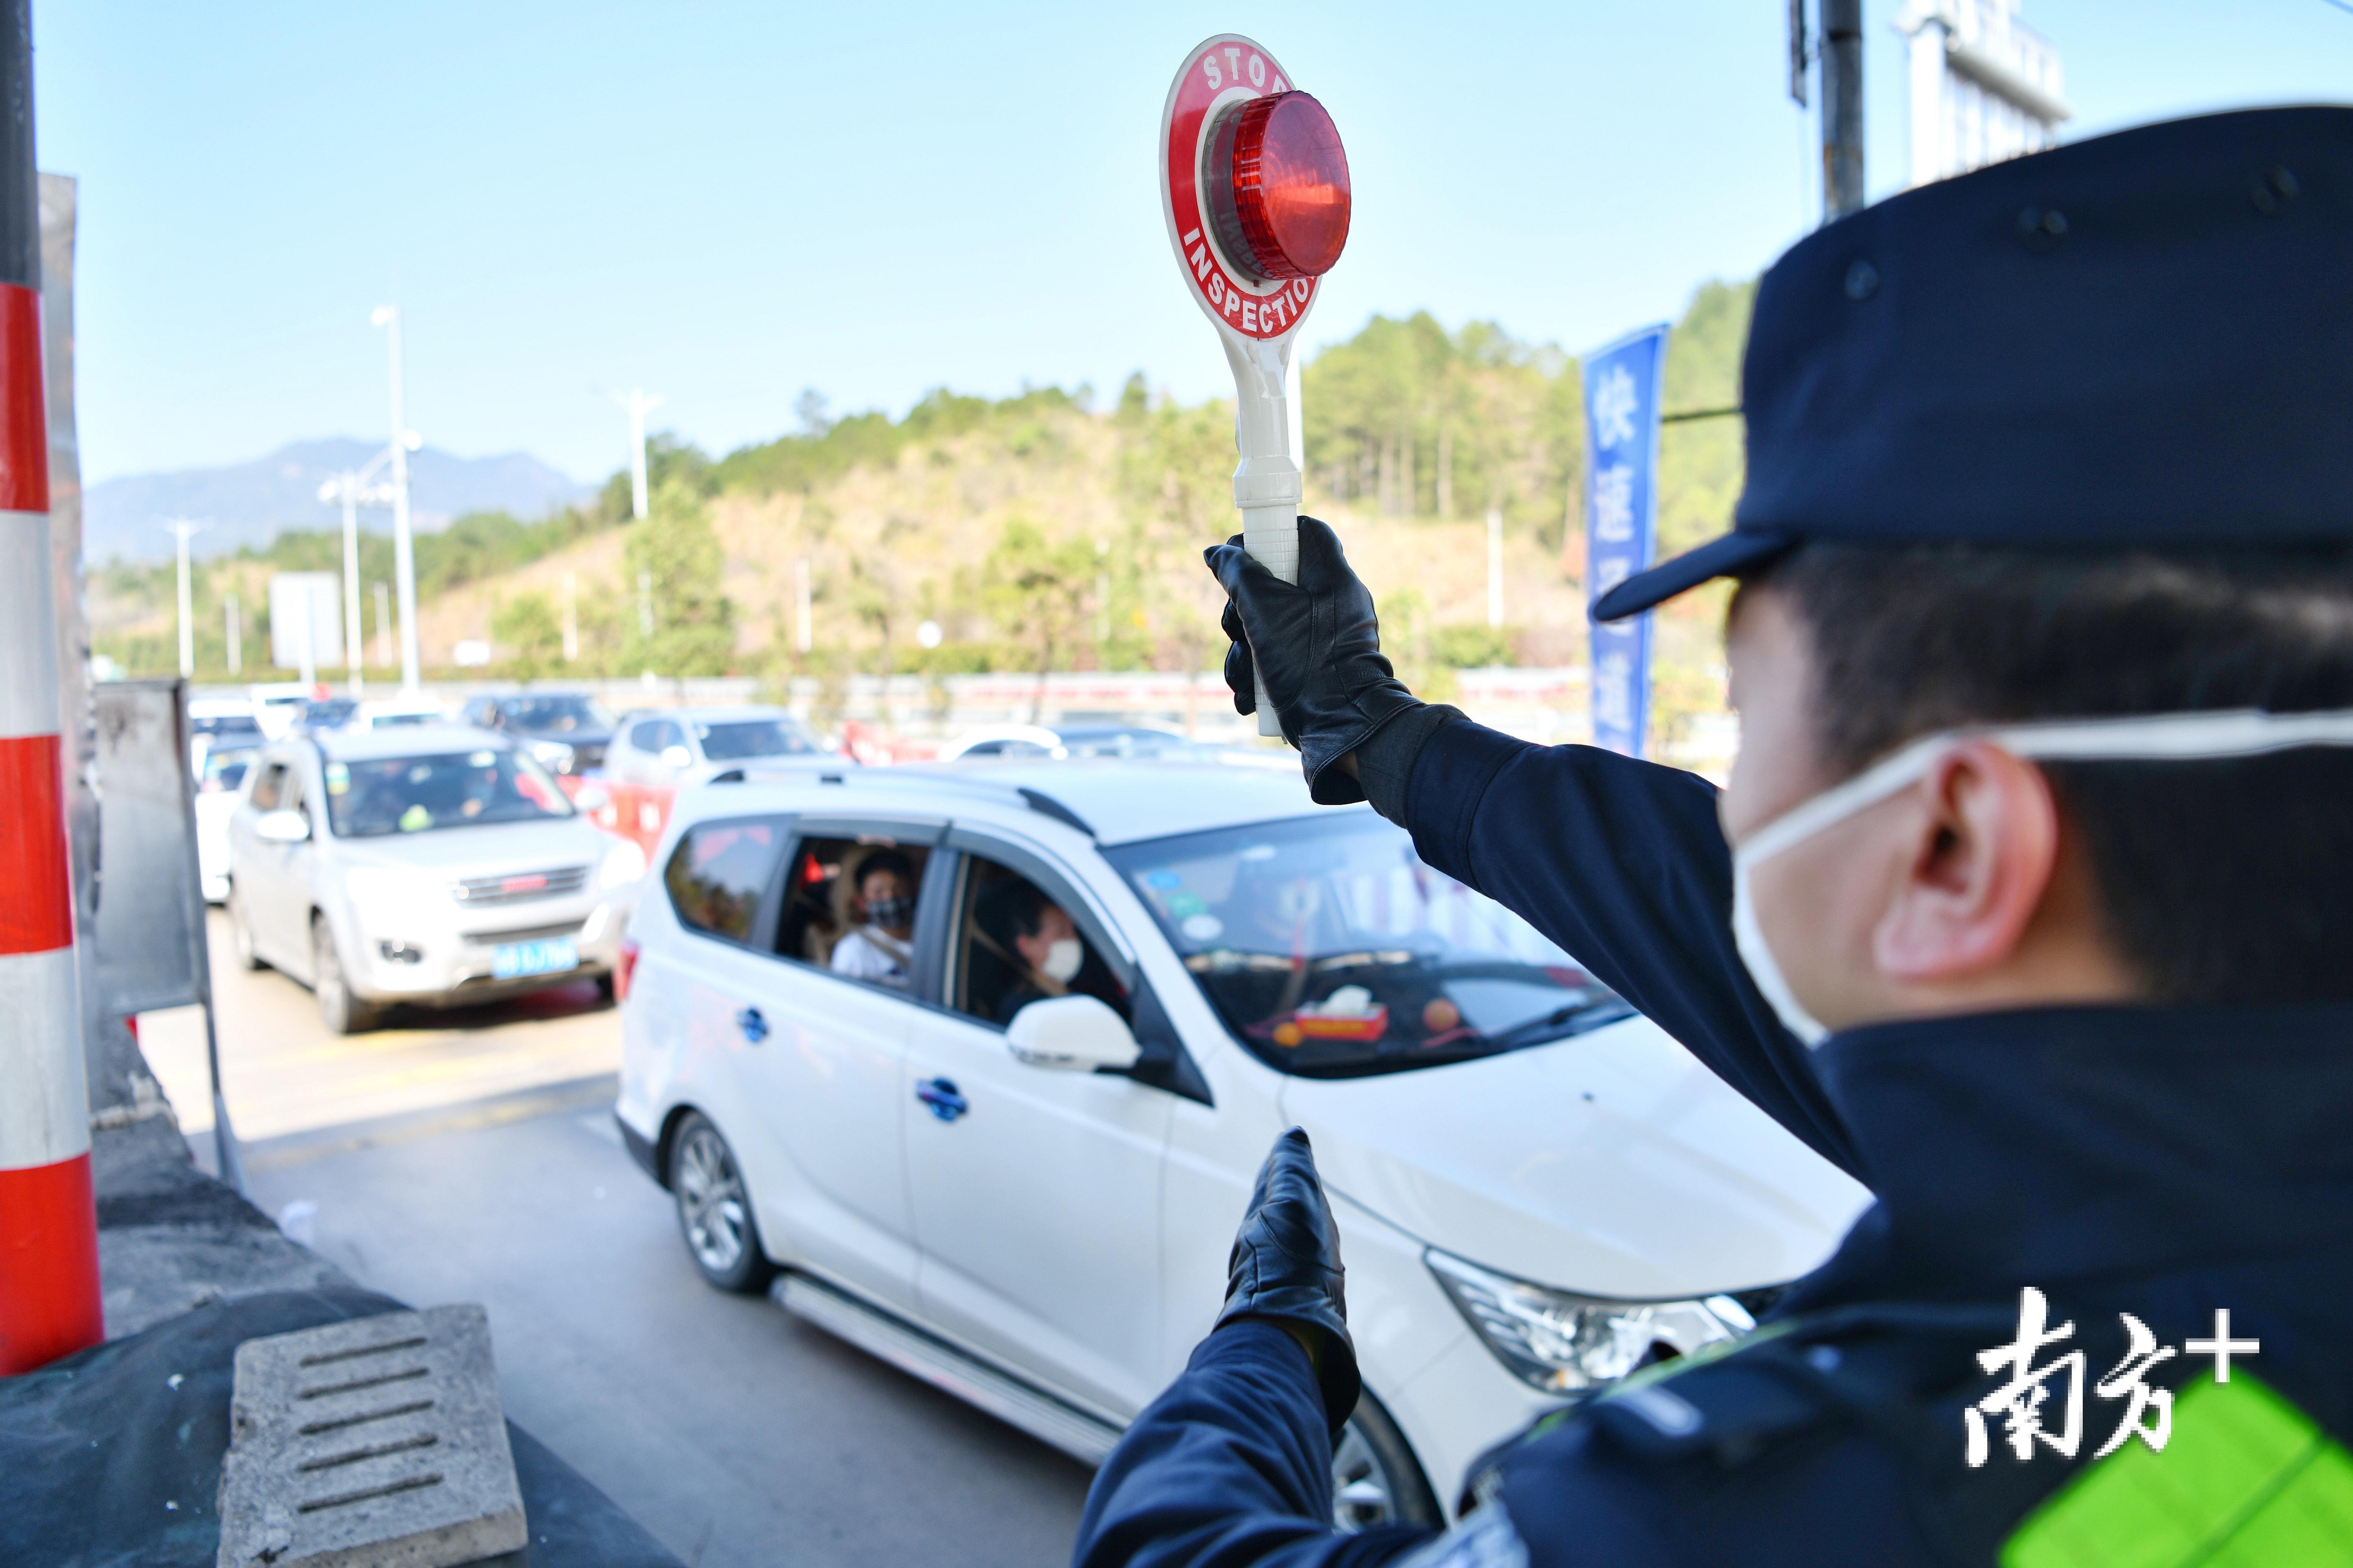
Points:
[1279,186]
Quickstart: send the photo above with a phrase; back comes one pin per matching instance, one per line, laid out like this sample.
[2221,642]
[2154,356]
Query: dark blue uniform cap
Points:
[2141,339]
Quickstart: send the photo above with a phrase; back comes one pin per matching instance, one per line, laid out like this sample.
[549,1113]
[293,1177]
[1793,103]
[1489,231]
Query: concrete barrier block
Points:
[376,1443]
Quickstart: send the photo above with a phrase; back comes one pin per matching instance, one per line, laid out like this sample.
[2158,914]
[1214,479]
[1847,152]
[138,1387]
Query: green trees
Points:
[1409,420]
[1037,593]
[529,633]
[673,572]
[1176,487]
[1702,463]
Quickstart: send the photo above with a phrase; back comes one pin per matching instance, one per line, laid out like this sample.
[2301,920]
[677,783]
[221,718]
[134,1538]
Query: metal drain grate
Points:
[379,1440]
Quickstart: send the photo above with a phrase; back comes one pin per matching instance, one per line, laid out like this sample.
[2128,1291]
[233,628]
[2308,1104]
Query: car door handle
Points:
[941,1095]
[755,1026]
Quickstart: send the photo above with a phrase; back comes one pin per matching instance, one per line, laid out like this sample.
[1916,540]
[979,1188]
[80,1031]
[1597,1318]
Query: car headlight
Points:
[554,753]
[624,864]
[1562,1343]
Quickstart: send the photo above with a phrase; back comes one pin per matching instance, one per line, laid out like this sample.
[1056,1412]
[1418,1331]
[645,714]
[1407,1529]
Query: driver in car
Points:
[885,903]
[1026,925]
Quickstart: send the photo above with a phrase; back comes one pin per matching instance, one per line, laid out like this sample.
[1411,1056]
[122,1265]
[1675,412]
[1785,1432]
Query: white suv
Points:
[1023,1187]
[423,864]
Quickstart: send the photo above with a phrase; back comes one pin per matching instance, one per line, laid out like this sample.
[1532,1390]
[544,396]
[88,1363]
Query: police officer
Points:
[2027,904]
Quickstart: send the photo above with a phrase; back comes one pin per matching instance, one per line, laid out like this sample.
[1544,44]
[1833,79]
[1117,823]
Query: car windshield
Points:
[373,797]
[224,770]
[1331,951]
[224,724]
[555,715]
[737,739]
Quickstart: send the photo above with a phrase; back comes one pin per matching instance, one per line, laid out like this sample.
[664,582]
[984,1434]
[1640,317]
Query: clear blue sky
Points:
[725,204]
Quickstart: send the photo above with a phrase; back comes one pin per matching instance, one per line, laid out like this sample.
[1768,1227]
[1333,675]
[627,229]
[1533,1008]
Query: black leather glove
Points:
[1285,1266]
[1319,646]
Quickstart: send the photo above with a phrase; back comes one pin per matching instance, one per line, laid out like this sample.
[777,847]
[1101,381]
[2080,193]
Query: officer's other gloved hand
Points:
[1319,646]
[1285,1268]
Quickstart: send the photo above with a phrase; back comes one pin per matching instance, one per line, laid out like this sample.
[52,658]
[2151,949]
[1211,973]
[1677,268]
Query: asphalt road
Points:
[472,1157]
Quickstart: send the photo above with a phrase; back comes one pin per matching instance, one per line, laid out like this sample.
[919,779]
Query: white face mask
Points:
[1062,961]
[2156,738]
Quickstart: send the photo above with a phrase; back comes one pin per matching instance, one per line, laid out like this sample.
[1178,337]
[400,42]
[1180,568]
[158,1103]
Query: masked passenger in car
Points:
[884,907]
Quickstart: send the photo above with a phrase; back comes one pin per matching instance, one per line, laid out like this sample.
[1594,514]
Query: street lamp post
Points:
[404,546]
[355,488]
[639,405]
[185,528]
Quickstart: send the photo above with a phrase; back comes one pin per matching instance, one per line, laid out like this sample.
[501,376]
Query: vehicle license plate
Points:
[513,959]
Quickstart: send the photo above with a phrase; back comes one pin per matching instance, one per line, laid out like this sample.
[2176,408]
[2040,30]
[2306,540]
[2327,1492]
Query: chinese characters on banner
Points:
[1621,517]
[2045,1403]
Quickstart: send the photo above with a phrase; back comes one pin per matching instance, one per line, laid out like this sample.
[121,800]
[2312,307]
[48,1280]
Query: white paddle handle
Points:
[1271,537]
[1266,482]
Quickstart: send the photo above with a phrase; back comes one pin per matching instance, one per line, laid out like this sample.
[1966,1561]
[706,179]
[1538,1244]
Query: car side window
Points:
[827,919]
[1013,943]
[266,787]
[720,872]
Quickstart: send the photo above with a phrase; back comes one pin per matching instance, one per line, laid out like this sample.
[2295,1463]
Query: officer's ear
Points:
[1978,859]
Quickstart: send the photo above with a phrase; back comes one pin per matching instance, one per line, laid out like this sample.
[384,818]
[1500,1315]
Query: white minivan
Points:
[1014,1166]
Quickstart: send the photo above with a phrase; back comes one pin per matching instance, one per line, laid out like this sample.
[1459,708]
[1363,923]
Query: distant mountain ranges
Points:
[252,503]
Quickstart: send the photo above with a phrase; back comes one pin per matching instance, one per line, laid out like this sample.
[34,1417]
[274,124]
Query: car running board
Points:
[1084,1437]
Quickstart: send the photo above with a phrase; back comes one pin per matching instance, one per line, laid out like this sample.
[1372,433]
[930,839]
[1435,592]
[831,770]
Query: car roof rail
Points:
[915,776]
[1040,801]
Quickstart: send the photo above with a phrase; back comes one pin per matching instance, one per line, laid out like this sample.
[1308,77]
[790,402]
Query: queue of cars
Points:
[1009,1159]
[380,854]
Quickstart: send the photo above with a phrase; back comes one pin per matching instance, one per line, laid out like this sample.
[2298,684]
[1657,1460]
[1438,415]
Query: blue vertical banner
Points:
[1621,523]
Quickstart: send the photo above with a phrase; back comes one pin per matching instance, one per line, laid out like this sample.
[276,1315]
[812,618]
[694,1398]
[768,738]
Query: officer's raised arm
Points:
[2044,649]
[1620,862]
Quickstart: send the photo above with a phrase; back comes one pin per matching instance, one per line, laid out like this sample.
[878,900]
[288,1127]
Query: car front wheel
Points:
[343,1013]
[1375,1479]
[714,1209]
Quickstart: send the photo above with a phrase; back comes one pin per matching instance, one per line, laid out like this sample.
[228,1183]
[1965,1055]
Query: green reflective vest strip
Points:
[2246,1480]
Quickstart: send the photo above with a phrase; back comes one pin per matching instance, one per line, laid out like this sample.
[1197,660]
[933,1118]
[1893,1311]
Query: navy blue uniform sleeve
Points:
[1623,864]
[1233,1466]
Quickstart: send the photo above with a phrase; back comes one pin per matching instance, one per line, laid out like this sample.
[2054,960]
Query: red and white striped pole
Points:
[48,1222]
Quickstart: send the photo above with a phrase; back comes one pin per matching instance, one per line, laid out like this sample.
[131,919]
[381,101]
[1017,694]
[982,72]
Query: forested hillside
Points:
[1053,529]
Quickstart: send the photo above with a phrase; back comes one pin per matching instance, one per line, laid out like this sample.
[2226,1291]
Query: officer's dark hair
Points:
[885,860]
[1014,908]
[2220,882]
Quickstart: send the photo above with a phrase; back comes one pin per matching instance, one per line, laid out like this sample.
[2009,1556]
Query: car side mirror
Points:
[676,757]
[282,828]
[1075,1034]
